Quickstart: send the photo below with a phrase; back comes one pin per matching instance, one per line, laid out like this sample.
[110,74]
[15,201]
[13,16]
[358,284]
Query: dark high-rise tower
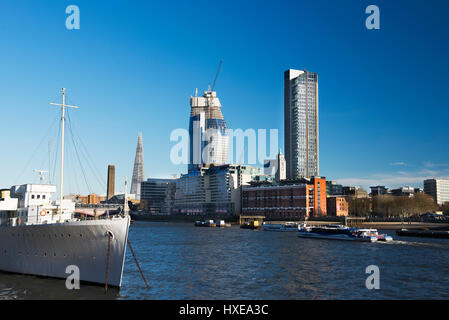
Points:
[111,182]
[138,172]
[301,136]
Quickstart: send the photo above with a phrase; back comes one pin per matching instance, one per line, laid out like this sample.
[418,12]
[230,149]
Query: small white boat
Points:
[380,237]
[283,227]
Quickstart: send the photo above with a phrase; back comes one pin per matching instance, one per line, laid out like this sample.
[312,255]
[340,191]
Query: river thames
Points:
[181,261]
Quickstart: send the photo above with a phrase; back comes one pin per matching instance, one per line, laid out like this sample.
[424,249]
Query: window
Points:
[38,196]
[32,196]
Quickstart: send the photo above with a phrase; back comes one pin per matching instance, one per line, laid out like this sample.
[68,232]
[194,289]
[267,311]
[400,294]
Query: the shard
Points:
[138,172]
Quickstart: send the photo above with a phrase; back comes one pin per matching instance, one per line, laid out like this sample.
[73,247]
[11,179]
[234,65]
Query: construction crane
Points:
[216,76]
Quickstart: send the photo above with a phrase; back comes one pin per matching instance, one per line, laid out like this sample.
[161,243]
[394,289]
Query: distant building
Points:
[378,191]
[333,188]
[213,190]
[337,206]
[276,167]
[301,136]
[138,171]
[286,199]
[158,195]
[406,191]
[438,189]
[351,192]
[111,182]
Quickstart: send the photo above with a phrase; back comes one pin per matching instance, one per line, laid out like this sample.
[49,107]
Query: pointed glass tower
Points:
[138,172]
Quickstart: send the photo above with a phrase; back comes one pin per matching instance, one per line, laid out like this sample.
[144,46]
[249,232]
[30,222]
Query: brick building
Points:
[286,199]
[337,206]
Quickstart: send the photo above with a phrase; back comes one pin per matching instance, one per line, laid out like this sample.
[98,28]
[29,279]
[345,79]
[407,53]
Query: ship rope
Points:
[69,122]
[137,263]
[78,146]
[107,262]
[35,151]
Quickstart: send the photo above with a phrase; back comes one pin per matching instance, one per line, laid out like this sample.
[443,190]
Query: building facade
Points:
[438,189]
[333,188]
[378,190]
[301,137]
[337,206]
[286,199]
[213,190]
[158,195]
[208,132]
[276,167]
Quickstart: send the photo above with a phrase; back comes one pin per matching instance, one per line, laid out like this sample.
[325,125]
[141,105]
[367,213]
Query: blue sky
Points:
[134,64]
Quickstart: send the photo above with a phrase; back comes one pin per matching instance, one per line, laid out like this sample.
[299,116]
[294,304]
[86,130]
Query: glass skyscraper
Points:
[208,132]
[301,137]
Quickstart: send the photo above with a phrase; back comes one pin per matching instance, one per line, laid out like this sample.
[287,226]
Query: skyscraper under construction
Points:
[208,132]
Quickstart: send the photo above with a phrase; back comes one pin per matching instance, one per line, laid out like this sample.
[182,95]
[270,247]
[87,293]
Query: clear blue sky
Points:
[134,64]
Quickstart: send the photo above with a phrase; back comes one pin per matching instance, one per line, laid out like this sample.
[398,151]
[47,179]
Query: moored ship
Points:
[41,236]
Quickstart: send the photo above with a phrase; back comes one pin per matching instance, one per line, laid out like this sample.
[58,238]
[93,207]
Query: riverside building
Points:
[157,195]
[286,199]
[213,190]
[301,137]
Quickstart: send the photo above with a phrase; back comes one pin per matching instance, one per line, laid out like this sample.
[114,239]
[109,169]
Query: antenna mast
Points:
[63,106]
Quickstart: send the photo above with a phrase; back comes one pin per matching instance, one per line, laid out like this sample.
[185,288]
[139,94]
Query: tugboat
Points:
[252,225]
[335,232]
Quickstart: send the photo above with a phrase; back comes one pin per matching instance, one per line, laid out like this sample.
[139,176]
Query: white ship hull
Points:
[47,249]
[303,234]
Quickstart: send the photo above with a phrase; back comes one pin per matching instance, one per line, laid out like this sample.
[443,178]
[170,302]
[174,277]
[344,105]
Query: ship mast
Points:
[63,106]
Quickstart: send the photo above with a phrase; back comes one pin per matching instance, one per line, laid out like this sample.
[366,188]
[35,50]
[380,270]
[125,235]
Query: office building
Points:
[213,190]
[301,136]
[158,195]
[438,189]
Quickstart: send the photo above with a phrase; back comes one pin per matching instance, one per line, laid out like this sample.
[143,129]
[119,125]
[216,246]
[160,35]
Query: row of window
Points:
[37,196]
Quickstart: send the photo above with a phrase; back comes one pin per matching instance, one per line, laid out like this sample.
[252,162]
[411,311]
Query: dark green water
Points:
[184,262]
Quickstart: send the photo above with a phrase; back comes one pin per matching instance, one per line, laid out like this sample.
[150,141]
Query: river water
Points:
[181,261]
